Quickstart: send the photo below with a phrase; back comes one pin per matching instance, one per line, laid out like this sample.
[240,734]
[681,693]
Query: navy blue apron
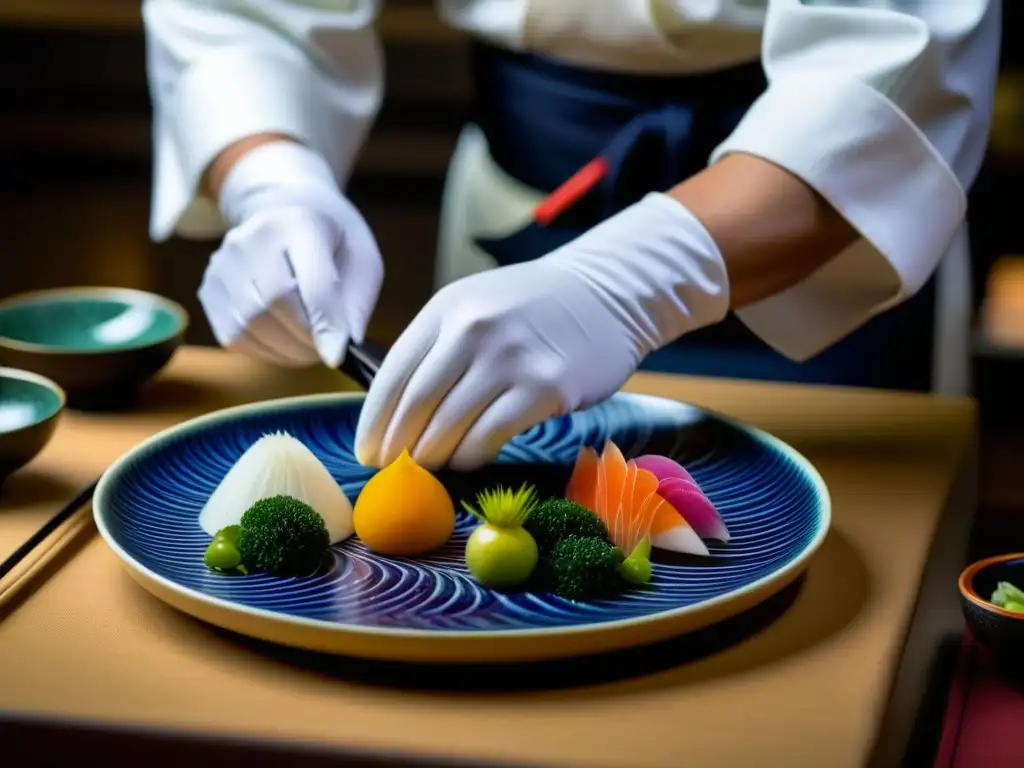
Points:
[545,121]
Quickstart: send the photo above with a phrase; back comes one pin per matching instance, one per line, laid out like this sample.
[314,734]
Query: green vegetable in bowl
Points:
[283,537]
[554,519]
[1008,597]
[581,568]
[500,552]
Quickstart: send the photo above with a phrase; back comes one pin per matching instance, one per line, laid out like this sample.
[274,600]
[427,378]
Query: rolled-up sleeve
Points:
[222,70]
[884,108]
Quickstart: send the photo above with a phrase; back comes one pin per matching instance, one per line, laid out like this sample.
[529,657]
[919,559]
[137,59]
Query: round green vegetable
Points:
[500,557]
[222,555]
[501,553]
[554,519]
[230,534]
[283,536]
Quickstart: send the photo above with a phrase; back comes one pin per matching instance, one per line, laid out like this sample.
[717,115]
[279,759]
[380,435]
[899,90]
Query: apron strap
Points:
[652,142]
[597,142]
[646,155]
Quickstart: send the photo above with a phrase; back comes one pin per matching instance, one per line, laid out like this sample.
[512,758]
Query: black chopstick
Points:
[49,527]
[362,361]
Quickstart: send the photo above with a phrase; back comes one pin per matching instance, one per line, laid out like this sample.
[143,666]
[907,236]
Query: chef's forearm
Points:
[772,228]
[218,170]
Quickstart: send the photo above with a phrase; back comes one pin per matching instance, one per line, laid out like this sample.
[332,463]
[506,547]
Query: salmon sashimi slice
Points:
[583,484]
[625,497]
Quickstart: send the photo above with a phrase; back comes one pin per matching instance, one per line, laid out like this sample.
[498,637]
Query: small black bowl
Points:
[999,630]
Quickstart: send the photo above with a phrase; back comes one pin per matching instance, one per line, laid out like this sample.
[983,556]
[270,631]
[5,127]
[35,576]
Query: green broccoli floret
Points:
[283,536]
[555,519]
[581,568]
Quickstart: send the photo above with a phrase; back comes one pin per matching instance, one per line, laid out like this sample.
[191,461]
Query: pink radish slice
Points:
[694,507]
[664,468]
[678,488]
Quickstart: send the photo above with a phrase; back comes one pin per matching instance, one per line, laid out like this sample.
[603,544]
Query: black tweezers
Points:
[362,361]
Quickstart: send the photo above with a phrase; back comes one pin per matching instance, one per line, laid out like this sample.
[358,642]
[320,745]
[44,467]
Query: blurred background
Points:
[75,178]
[75,154]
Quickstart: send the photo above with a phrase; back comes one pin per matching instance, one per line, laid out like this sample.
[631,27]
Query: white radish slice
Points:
[278,465]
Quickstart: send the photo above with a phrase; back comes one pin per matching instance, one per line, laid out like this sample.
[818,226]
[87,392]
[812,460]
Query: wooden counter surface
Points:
[840,671]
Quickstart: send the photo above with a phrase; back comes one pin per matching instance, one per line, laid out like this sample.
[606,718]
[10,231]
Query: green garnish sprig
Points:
[636,568]
[503,507]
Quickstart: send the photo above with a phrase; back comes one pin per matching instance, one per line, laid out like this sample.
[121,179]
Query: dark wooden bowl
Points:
[999,630]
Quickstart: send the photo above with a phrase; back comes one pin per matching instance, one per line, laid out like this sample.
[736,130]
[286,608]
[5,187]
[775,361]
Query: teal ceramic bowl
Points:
[98,344]
[30,407]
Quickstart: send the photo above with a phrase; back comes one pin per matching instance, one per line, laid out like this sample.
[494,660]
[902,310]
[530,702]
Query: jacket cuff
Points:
[879,171]
[210,112]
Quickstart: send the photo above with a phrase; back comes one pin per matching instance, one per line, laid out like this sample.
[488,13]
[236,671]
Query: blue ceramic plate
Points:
[775,505]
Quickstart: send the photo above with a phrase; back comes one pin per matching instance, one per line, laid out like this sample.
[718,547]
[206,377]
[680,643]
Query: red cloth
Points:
[984,716]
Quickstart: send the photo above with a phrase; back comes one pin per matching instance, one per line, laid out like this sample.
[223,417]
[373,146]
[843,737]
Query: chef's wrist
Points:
[213,178]
[773,229]
[275,173]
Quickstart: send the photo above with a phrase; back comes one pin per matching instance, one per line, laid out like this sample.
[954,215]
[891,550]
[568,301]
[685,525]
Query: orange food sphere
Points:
[403,510]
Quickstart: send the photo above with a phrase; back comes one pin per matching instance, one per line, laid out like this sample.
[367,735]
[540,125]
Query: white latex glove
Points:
[497,352]
[299,272]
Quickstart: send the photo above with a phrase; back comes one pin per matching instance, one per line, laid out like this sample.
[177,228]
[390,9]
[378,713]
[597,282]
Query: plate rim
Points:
[784,575]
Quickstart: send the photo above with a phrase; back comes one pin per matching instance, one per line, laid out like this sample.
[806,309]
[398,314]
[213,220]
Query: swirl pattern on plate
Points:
[772,507]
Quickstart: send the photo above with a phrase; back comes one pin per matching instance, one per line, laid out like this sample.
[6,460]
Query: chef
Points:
[749,188]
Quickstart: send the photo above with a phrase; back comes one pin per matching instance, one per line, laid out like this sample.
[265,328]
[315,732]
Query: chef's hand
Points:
[495,353]
[299,272]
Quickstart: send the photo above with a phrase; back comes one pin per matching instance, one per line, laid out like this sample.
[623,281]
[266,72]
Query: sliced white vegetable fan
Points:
[278,465]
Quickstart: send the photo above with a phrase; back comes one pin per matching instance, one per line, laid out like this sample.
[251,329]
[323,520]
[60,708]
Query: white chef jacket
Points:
[883,106]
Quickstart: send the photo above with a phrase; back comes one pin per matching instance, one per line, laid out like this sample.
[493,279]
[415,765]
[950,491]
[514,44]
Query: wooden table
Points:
[89,662]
